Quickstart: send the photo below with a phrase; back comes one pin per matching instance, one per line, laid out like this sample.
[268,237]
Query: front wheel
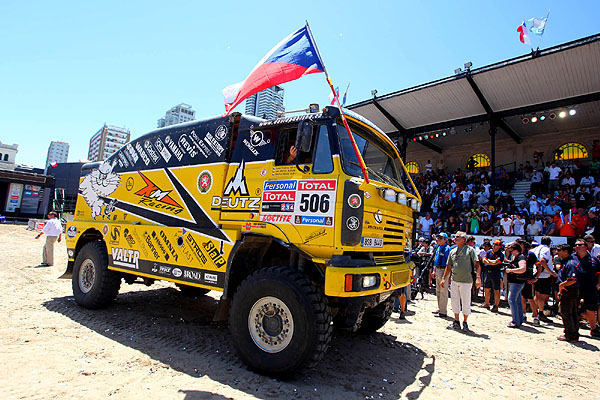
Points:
[94,285]
[376,317]
[280,322]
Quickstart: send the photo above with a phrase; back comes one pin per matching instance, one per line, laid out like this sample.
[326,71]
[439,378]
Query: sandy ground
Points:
[153,343]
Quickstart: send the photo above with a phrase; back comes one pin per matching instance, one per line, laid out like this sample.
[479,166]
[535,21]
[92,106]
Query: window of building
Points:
[412,167]
[478,160]
[571,151]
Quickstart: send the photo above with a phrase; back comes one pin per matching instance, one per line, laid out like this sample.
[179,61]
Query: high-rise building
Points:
[266,103]
[58,152]
[107,141]
[178,114]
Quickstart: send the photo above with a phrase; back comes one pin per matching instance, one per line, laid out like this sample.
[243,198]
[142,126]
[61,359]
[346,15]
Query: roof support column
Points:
[492,132]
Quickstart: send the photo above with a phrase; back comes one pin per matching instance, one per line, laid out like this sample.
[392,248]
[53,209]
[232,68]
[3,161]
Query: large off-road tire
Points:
[376,317]
[94,285]
[192,291]
[280,322]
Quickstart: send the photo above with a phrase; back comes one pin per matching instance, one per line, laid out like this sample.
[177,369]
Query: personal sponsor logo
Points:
[308,220]
[72,232]
[354,200]
[281,185]
[162,149]
[151,151]
[214,144]
[124,257]
[115,235]
[205,181]
[153,196]
[378,217]
[352,223]
[174,147]
[315,235]
[142,153]
[214,254]
[221,132]
[185,144]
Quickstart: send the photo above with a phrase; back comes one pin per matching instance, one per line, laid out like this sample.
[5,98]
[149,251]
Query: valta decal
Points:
[153,196]
[124,257]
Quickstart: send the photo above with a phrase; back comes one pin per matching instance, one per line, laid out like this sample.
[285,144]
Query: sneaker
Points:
[455,326]
[595,332]
[440,315]
[402,315]
[543,318]
[563,338]
[465,327]
[536,321]
[513,325]
[494,309]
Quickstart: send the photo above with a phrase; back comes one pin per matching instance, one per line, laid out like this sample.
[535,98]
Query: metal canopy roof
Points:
[498,95]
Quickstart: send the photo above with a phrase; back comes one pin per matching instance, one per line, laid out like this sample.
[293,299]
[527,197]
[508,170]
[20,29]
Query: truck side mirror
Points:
[304,136]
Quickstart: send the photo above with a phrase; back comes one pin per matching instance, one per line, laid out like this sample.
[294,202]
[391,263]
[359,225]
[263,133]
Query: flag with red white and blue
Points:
[292,58]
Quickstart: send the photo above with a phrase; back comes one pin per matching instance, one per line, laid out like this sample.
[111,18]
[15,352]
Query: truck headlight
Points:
[402,198]
[368,281]
[389,195]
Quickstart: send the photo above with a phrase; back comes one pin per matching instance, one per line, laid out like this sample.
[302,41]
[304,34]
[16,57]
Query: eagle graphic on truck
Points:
[296,248]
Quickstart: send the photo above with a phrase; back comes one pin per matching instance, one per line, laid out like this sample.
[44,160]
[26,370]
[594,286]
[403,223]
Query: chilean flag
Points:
[523,34]
[292,58]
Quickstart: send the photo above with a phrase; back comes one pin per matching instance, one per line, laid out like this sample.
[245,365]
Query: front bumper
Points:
[391,277]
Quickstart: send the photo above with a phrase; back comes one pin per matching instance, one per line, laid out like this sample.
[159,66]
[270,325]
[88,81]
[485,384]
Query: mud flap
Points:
[222,312]
[68,273]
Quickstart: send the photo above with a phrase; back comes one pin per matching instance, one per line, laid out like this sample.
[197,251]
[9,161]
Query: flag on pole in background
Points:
[523,34]
[295,56]
[345,93]
[537,25]
[333,98]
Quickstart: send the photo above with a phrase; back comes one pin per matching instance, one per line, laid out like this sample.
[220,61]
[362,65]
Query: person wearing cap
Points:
[568,292]
[492,262]
[439,262]
[461,261]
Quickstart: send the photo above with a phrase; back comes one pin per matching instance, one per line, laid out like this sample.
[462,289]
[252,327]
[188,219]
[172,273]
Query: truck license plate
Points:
[371,242]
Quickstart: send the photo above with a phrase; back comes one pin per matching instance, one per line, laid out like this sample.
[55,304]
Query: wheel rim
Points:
[87,275]
[271,324]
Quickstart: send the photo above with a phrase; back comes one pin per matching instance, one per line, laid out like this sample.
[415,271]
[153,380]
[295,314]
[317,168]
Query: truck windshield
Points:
[380,158]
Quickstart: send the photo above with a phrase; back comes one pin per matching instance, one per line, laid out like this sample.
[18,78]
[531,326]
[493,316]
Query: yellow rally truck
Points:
[275,214]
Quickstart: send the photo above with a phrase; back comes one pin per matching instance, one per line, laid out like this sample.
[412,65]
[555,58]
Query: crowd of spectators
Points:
[563,200]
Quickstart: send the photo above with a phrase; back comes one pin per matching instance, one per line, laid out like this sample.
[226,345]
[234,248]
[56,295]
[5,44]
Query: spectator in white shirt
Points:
[554,172]
[534,205]
[506,224]
[425,226]
[518,225]
[545,272]
[53,231]
[587,180]
[568,180]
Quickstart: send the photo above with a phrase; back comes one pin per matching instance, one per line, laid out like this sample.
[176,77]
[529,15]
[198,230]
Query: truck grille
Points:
[400,277]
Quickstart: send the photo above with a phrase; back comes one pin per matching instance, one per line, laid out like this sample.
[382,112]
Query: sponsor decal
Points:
[205,181]
[97,186]
[214,144]
[257,139]
[142,153]
[139,240]
[251,225]
[177,272]
[354,200]
[129,184]
[128,238]
[115,235]
[153,196]
[162,248]
[174,147]
[353,223]
[123,162]
[315,235]
[367,195]
[148,241]
[308,220]
[225,203]
[72,232]
[276,218]
[124,257]
[221,132]
[130,151]
[192,275]
[200,145]
[185,144]
[371,242]
[237,183]
[214,254]
[378,216]
[196,249]
[151,151]
[168,245]
[263,172]
[164,152]
[281,185]
[210,278]
[105,230]
[319,185]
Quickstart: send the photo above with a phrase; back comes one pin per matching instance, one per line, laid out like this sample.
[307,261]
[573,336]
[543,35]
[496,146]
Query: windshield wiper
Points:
[380,175]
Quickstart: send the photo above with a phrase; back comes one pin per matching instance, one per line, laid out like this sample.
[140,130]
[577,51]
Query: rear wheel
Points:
[376,317]
[280,322]
[94,285]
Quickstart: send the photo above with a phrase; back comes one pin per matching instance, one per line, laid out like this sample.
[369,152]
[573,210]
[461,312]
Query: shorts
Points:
[492,279]
[590,299]
[527,291]
[543,285]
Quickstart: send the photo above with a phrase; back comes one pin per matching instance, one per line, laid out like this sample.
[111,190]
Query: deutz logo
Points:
[154,197]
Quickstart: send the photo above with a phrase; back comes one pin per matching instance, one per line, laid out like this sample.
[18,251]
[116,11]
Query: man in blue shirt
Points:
[439,262]
[569,294]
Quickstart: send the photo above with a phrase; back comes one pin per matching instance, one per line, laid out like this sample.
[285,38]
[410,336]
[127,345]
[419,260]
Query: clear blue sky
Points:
[66,68]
